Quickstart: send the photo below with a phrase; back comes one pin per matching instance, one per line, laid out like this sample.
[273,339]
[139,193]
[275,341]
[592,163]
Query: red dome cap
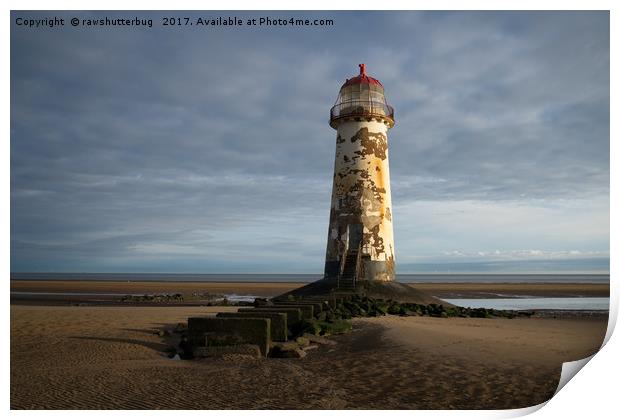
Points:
[362,78]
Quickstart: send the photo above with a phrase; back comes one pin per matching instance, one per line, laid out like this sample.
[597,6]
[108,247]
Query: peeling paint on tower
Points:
[360,222]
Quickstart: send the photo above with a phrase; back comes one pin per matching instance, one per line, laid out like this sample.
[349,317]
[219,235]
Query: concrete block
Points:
[278,322]
[318,306]
[293,315]
[203,331]
[307,311]
[326,301]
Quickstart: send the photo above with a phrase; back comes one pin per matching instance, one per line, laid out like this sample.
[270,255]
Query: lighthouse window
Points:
[377,97]
[346,95]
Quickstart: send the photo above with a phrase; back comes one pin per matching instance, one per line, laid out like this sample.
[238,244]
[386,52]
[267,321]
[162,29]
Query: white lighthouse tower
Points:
[360,243]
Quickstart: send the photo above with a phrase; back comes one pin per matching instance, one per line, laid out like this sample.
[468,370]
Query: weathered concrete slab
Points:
[293,315]
[219,351]
[209,331]
[322,301]
[318,306]
[279,328]
[325,301]
[307,311]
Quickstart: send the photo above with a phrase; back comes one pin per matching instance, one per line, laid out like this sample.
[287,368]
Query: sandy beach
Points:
[106,357]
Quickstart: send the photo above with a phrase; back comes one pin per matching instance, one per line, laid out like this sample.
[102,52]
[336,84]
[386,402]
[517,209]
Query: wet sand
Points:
[109,358]
[152,287]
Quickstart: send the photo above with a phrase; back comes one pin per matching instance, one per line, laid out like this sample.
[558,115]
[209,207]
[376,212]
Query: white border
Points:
[591,394]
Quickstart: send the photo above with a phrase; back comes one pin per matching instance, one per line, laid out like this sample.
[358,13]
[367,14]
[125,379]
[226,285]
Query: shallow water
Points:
[527,303]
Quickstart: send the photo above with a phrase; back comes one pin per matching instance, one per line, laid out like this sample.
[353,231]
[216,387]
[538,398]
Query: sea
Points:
[306,278]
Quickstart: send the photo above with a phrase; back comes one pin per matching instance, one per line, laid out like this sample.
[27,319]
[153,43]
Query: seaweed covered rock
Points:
[181,327]
[259,302]
[318,339]
[290,350]
[305,326]
[166,298]
[302,341]
[336,327]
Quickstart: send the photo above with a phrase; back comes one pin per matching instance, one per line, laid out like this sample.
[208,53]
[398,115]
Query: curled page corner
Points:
[521,412]
[614,302]
[570,369]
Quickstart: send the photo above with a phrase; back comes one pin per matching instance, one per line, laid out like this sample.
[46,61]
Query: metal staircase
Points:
[349,270]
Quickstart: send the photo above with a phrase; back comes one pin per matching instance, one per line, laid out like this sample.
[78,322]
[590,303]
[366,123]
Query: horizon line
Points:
[468,273]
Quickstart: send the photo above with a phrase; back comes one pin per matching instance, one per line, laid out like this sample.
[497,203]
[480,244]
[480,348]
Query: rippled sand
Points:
[109,358]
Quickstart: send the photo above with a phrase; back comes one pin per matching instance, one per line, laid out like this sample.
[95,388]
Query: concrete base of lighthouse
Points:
[372,270]
[398,292]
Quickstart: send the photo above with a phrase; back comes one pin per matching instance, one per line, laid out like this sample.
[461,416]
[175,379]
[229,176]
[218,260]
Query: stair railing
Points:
[343,260]
[358,265]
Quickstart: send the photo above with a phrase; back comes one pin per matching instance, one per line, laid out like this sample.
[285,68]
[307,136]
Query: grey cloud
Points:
[151,137]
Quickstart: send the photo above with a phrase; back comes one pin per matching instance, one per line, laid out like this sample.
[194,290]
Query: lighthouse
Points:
[360,243]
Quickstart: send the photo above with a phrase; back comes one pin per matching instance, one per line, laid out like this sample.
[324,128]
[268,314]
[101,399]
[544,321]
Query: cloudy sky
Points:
[208,150]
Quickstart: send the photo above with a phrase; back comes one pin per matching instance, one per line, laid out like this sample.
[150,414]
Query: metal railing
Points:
[358,266]
[343,260]
[361,109]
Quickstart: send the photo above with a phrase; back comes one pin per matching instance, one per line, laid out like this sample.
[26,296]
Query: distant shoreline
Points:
[593,278]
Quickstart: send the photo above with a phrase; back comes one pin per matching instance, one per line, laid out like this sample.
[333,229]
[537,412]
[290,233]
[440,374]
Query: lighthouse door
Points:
[356,232]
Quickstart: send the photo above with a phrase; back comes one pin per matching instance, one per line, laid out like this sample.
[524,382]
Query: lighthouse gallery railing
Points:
[361,109]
